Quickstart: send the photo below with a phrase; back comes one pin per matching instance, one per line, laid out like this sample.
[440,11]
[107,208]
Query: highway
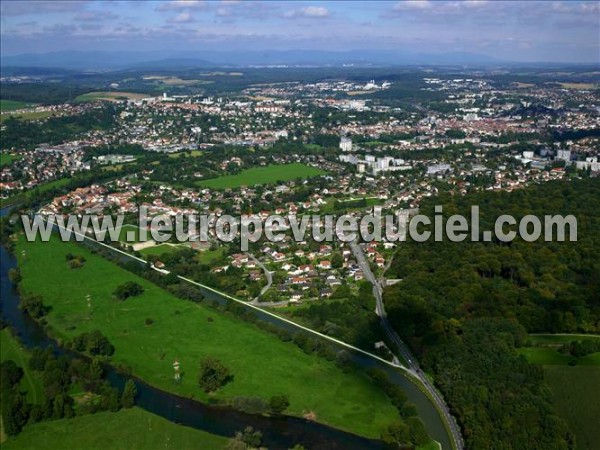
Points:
[402,349]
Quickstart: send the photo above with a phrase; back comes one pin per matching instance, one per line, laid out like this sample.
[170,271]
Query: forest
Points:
[466,307]
[56,130]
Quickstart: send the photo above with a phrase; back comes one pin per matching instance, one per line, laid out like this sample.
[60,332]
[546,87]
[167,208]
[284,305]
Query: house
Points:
[306,268]
[278,256]
[255,275]
[299,280]
[325,293]
[325,250]
[359,275]
[240,257]
[325,264]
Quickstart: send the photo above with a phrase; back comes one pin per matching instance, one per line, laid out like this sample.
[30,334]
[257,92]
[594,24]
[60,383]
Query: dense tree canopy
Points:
[465,307]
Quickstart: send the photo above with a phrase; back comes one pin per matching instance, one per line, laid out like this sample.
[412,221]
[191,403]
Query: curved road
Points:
[413,368]
[404,351]
[268,276]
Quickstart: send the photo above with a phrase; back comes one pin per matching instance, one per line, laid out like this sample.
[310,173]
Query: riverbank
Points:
[129,429]
[262,364]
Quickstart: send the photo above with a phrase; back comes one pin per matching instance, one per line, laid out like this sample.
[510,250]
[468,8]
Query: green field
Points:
[544,350]
[192,153]
[125,229]
[110,96]
[262,364]
[210,256]
[126,429]
[32,115]
[549,339]
[6,159]
[576,392]
[13,105]
[11,349]
[262,175]
[159,249]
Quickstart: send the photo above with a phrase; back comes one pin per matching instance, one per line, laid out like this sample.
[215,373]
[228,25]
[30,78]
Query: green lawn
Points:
[262,175]
[13,105]
[262,364]
[127,429]
[576,392]
[159,249]
[126,230]
[210,256]
[11,349]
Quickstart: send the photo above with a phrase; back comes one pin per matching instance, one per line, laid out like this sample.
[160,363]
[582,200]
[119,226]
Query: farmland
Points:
[262,364]
[262,175]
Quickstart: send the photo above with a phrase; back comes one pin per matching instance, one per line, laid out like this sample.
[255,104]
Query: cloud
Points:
[95,16]
[184,17]
[180,5]
[15,8]
[307,12]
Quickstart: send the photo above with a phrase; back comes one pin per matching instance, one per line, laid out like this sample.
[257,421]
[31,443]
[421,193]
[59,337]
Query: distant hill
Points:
[103,60]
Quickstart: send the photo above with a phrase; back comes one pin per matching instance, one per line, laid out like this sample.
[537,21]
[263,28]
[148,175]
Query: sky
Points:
[522,31]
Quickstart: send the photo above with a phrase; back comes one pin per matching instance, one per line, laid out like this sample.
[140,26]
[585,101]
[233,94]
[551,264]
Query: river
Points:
[278,432]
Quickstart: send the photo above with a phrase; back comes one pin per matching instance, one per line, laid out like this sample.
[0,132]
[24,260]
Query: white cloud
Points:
[95,16]
[308,11]
[14,8]
[407,5]
[184,17]
[179,5]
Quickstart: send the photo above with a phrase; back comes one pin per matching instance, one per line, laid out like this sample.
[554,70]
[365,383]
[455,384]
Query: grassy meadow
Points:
[129,429]
[27,115]
[262,365]
[109,96]
[6,159]
[576,392]
[262,175]
[575,383]
[13,105]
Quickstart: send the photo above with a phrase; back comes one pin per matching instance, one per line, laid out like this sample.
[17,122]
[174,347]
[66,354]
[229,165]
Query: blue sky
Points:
[520,31]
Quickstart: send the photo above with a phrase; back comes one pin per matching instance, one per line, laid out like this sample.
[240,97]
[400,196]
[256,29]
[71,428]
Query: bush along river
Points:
[280,432]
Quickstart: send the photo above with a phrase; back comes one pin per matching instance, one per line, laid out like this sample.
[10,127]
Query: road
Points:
[402,348]
[413,369]
[268,276]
